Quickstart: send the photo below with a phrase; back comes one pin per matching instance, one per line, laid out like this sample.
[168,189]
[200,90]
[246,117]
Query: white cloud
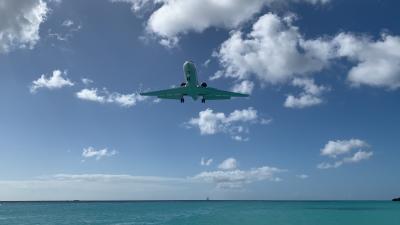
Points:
[176,17]
[302,176]
[109,177]
[228,164]
[56,81]
[310,96]
[274,51]
[235,124]
[325,165]
[20,22]
[358,156]
[90,95]
[86,81]
[96,186]
[265,121]
[57,2]
[207,63]
[124,100]
[333,149]
[100,186]
[304,100]
[138,5]
[124,186]
[238,178]
[355,158]
[378,62]
[206,162]
[67,23]
[339,147]
[244,86]
[69,28]
[91,152]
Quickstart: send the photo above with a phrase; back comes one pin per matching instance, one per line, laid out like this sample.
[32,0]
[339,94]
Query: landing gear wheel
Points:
[182,100]
[203,100]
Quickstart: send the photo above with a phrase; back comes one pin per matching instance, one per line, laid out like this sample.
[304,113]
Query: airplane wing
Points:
[207,93]
[216,94]
[173,93]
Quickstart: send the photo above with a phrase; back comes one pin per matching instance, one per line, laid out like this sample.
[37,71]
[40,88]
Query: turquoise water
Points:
[203,212]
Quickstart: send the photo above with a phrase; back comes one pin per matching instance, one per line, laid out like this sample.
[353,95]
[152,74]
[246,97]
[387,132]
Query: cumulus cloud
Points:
[238,178]
[358,156]
[244,86]
[206,162]
[228,164]
[344,148]
[235,124]
[90,95]
[310,96]
[20,22]
[378,62]
[124,100]
[91,152]
[56,81]
[275,51]
[176,17]
[339,147]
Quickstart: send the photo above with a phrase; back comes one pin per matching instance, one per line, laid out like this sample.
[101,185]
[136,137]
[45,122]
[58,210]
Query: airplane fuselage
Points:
[190,76]
[190,73]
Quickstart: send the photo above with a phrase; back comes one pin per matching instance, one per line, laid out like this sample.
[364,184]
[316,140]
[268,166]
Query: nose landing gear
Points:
[203,100]
[182,100]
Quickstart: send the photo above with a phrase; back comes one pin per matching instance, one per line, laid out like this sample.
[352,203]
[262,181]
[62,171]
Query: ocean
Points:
[202,212]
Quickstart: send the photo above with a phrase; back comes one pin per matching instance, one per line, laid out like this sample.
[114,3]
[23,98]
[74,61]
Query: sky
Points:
[321,123]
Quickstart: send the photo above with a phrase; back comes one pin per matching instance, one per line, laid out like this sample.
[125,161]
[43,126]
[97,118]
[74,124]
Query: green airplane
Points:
[192,88]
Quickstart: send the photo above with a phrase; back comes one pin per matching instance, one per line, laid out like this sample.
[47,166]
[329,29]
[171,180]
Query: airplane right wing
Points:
[216,94]
[173,93]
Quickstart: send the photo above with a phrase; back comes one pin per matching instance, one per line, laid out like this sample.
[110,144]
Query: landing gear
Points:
[203,100]
[182,100]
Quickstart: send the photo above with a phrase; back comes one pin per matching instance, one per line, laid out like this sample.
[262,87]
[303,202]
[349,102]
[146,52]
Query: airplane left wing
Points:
[173,93]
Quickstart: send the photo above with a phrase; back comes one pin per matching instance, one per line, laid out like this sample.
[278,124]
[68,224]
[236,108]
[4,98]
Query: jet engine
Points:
[204,85]
[183,84]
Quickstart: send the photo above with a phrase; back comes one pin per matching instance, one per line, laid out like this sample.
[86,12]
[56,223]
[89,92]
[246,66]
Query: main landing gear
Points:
[203,100]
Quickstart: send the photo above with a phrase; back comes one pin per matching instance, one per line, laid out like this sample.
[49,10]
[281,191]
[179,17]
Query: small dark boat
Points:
[396,200]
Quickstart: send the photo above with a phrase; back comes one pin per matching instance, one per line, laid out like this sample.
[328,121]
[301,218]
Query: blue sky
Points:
[321,123]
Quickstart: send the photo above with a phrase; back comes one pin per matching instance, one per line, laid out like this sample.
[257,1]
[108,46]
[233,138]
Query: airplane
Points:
[191,87]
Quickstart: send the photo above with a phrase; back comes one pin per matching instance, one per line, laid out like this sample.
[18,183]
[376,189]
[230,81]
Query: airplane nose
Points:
[187,64]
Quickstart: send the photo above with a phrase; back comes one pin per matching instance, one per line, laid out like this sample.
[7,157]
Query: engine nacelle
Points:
[183,84]
[204,85]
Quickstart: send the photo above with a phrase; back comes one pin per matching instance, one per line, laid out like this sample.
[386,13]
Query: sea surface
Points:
[202,212]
